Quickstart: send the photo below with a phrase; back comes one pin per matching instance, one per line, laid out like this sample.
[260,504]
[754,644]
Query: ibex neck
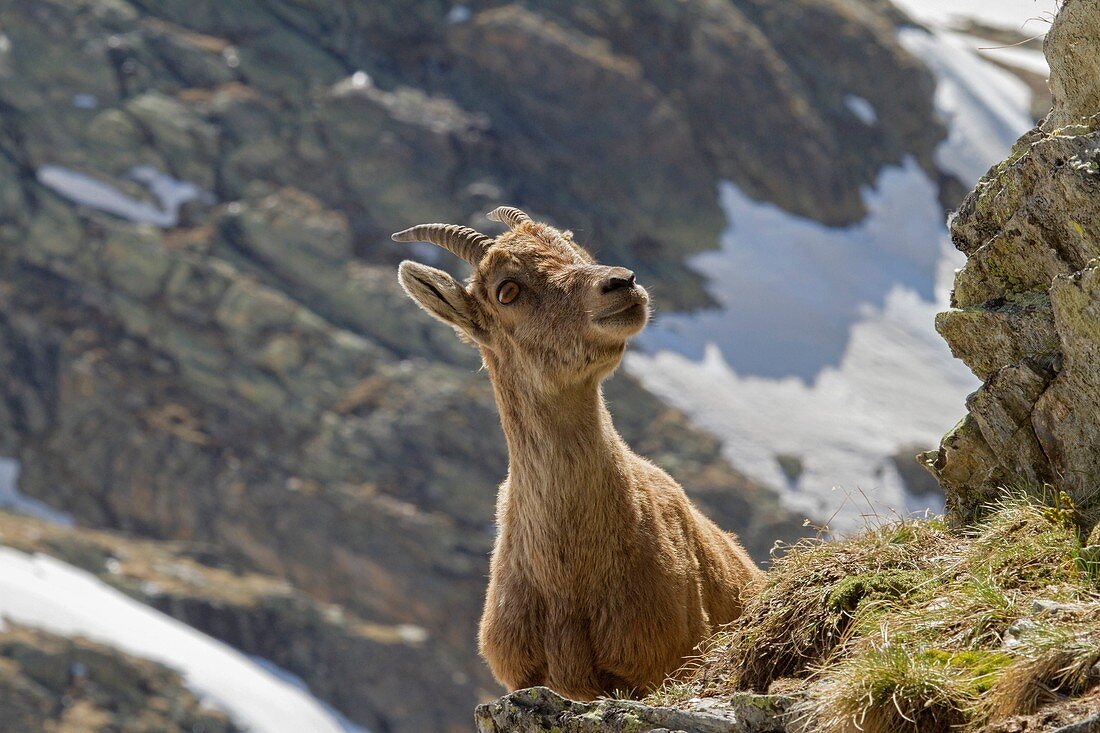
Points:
[559,444]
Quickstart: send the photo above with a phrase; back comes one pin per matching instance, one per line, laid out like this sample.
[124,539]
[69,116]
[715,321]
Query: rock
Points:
[1026,315]
[1074,56]
[917,480]
[1012,635]
[791,466]
[184,391]
[540,710]
[988,337]
[49,682]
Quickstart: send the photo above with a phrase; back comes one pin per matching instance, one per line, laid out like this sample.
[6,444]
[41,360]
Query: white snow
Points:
[42,592]
[986,107]
[795,295]
[823,344]
[791,288]
[1026,16]
[356,84]
[12,499]
[459,14]
[861,108]
[293,679]
[85,101]
[1021,57]
[96,194]
[895,385]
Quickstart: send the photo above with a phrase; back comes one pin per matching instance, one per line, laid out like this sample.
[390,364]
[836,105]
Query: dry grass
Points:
[912,627]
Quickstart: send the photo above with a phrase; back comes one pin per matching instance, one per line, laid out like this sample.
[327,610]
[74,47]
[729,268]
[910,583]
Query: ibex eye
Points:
[508,291]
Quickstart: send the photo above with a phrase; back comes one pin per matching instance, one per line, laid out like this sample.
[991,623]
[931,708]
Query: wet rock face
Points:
[1026,306]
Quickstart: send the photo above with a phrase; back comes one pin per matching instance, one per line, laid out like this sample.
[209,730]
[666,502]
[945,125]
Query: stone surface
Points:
[540,710]
[51,683]
[1074,58]
[1026,306]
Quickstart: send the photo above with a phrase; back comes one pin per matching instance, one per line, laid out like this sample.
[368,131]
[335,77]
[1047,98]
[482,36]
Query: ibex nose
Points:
[618,278]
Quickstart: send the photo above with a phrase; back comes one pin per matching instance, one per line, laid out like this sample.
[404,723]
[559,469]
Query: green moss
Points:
[631,723]
[852,591]
[768,703]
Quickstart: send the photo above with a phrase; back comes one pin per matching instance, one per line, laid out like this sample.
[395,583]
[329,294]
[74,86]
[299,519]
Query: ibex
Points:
[604,575]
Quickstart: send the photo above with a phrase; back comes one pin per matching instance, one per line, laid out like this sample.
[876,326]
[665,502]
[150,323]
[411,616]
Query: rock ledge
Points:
[540,710]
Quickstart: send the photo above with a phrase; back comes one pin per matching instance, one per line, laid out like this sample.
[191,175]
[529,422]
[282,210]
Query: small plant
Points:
[911,627]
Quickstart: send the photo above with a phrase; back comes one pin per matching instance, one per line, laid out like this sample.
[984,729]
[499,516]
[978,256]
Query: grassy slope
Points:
[911,626]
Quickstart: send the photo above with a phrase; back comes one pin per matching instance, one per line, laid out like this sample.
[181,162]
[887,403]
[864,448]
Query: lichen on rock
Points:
[541,710]
[1025,311]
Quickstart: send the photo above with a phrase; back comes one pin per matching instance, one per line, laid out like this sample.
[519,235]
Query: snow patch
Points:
[293,679]
[85,101]
[790,289]
[45,593]
[86,190]
[12,499]
[459,14]
[986,108]
[1026,16]
[824,346]
[861,108]
[1027,59]
[896,383]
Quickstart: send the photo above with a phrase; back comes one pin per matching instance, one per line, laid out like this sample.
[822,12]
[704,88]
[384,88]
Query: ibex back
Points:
[604,576]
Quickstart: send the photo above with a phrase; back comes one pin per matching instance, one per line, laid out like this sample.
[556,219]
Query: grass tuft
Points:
[910,626]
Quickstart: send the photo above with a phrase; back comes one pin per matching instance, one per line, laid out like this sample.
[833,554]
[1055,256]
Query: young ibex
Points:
[604,576]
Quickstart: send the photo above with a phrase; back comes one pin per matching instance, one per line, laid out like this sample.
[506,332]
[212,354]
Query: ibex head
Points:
[536,301]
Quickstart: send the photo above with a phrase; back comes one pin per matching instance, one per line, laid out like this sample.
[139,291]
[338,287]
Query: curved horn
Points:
[509,215]
[465,242]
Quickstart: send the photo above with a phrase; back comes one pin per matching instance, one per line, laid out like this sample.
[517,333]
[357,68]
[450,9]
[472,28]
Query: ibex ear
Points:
[443,297]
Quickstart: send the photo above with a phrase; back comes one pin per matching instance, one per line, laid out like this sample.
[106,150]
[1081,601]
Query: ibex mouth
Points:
[627,317]
[628,311]
[626,303]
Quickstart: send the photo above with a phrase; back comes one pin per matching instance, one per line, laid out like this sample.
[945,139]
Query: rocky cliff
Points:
[201,337]
[1025,313]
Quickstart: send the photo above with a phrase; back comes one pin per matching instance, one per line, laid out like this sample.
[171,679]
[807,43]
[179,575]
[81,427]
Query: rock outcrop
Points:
[1025,313]
[540,710]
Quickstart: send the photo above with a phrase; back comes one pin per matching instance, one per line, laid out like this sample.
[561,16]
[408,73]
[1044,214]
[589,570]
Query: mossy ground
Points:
[913,626]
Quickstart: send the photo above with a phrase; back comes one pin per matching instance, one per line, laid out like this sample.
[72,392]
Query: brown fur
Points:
[604,576]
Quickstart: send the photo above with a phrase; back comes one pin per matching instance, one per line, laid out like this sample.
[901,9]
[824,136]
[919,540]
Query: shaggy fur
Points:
[604,576]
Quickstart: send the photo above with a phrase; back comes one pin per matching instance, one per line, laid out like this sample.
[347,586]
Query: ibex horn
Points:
[465,242]
[509,215]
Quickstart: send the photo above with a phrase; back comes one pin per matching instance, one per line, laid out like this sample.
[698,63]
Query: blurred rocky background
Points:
[214,396]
